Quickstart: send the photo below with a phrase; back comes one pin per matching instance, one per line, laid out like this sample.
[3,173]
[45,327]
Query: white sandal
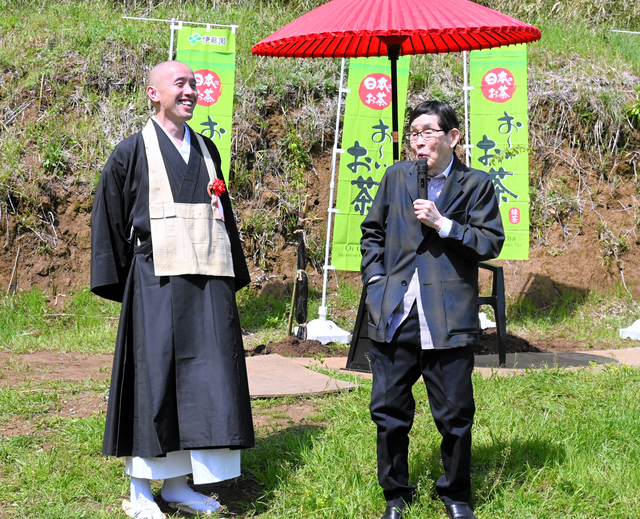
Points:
[186,506]
[142,509]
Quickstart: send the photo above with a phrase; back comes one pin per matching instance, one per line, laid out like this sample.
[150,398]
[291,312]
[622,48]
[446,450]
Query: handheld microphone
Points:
[423,177]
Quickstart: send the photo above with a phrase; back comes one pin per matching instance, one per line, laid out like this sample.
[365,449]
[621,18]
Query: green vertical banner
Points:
[212,56]
[499,131]
[368,149]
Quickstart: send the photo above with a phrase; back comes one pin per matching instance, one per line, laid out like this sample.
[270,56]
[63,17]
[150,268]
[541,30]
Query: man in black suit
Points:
[420,265]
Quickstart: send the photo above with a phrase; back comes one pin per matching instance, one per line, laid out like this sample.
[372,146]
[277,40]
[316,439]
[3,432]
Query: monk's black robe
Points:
[179,377]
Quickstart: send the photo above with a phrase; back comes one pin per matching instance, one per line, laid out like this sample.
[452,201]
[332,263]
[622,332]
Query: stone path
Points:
[273,375]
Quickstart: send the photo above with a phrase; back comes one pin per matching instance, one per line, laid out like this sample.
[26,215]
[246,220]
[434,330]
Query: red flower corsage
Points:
[216,187]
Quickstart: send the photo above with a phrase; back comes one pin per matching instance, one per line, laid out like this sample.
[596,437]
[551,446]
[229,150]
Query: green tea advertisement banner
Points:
[499,131]
[368,150]
[212,56]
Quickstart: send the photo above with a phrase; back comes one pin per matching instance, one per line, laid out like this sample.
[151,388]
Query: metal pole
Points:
[233,27]
[322,311]
[467,89]
[394,46]
[467,152]
[173,29]
[394,52]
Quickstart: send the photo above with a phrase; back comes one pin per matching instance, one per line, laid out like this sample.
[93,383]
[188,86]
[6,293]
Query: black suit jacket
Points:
[394,243]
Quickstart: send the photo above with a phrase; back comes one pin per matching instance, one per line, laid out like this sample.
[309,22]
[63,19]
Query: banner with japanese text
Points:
[212,56]
[368,149]
[499,131]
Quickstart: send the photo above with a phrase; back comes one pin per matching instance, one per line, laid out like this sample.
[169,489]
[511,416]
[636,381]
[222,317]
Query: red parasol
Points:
[364,28]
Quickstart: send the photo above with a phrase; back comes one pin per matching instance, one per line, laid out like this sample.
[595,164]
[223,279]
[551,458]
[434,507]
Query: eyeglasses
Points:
[426,134]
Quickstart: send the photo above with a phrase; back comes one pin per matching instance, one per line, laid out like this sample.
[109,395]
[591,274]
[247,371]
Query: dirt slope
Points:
[572,258]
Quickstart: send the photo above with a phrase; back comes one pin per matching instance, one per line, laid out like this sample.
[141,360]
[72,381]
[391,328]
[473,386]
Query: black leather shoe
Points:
[392,512]
[459,512]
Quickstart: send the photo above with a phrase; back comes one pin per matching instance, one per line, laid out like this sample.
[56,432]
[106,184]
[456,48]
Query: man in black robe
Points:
[179,400]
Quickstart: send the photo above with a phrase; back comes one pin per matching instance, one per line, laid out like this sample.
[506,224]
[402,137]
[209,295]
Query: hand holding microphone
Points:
[423,179]
[426,210]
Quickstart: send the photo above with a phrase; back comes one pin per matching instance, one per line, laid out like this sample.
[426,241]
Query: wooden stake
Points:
[15,265]
[293,302]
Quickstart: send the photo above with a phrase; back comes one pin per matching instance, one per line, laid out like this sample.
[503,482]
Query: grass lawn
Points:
[547,444]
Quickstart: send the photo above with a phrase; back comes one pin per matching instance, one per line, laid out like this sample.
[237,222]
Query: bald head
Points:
[165,69]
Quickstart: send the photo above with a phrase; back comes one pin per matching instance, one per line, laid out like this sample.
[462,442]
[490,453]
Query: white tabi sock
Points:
[140,487]
[176,490]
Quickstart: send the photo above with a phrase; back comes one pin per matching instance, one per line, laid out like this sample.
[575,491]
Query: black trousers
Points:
[396,367]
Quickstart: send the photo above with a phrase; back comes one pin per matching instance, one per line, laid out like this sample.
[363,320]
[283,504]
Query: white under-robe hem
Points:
[207,465]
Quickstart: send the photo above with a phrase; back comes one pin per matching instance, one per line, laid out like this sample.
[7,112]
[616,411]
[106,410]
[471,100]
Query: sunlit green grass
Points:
[544,442]
[547,444]
[594,318]
[86,26]
[84,323]
[584,48]
[60,473]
